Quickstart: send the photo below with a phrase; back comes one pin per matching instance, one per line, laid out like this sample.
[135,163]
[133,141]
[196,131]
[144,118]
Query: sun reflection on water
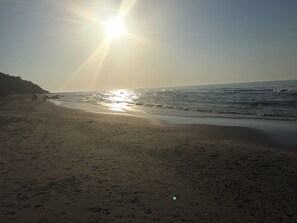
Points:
[121,100]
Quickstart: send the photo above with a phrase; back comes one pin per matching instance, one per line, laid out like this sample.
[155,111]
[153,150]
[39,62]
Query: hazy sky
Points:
[62,45]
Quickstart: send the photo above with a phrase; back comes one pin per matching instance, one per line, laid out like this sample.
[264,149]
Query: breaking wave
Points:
[266,99]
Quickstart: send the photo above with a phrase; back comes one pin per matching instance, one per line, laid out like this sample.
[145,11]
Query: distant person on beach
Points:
[34,97]
[44,98]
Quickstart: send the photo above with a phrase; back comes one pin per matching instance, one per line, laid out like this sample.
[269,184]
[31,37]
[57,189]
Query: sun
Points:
[115,28]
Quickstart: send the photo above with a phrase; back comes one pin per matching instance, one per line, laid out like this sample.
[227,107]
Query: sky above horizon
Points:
[64,45]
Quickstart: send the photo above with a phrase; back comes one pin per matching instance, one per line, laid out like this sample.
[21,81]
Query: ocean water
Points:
[263,105]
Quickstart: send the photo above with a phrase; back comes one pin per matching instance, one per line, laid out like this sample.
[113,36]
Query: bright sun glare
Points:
[115,28]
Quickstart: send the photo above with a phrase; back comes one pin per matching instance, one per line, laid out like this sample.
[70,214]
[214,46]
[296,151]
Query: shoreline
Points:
[280,132]
[65,165]
[244,134]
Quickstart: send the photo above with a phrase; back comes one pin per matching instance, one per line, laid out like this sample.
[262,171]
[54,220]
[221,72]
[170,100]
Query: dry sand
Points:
[64,165]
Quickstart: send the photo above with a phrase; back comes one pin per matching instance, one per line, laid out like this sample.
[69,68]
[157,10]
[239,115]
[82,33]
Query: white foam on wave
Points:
[56,102]
[285,90]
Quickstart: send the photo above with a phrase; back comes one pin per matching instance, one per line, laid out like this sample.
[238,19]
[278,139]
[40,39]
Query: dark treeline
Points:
[15,85]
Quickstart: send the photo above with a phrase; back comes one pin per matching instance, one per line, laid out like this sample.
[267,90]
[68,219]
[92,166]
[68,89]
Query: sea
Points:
[267,106]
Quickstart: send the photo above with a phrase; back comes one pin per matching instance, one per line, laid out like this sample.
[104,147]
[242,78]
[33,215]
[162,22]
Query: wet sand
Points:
[65,165]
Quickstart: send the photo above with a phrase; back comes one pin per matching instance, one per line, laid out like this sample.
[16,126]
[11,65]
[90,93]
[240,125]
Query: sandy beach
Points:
[65,165]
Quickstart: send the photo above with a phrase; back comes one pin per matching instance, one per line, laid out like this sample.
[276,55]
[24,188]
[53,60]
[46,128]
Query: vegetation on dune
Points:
[15,85]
